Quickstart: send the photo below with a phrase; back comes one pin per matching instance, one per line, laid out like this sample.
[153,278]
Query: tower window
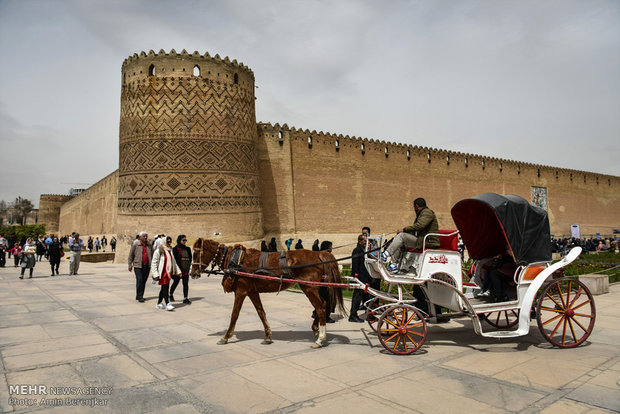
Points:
[236,79]
[196,70]
[152,70]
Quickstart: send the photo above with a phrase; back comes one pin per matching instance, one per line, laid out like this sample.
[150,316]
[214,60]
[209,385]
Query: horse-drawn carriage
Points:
[429,280]
[490,225]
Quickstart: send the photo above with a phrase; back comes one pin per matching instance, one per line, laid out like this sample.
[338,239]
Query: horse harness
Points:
[235,263]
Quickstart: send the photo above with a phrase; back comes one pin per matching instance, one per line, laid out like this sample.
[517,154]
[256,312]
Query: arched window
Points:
[408,155]
[337,145]
[152,70]
[483,164]
[466,162]
[363,148]
[309,142]
[280,135]
[196,70]
[386,151]
[428,157]
[236,79]
[448,160]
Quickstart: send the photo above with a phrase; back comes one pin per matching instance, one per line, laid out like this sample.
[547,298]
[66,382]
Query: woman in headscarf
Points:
[299,245]
[54,250]
[40,247]
[273,247]
[163,267]
[28,256]
[263,246]
[315,246]
[183,257]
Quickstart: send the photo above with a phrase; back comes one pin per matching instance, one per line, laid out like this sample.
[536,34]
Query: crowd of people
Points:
[589,245]
[29,251]
[166,265]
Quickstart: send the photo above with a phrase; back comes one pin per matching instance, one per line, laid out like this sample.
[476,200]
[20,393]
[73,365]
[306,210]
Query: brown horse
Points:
[320,263]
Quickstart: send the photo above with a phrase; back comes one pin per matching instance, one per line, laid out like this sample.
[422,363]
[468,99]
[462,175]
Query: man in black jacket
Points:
[358,269]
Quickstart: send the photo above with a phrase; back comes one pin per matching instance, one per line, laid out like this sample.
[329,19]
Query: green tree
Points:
[21,207]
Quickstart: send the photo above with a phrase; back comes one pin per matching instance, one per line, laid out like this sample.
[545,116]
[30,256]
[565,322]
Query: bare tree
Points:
[3,210]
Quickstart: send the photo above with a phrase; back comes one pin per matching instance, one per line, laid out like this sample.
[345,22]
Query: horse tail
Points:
[330,268]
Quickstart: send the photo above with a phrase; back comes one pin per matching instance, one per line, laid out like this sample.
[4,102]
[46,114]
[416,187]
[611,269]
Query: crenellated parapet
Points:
[184,66]
[399,152]
[188,140]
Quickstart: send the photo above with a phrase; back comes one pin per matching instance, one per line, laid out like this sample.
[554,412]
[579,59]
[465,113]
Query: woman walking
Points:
[163,267]
[28,257]
[40,243]
[54,250]
[183,257]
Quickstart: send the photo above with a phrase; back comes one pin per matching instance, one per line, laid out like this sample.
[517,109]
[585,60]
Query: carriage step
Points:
[503,334]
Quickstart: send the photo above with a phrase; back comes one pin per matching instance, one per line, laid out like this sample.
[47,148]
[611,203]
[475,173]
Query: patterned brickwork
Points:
[187,141]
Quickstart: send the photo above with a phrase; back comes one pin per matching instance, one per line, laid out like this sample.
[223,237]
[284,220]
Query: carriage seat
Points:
[446,243]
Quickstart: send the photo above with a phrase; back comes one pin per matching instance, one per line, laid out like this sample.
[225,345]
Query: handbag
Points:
[62,253]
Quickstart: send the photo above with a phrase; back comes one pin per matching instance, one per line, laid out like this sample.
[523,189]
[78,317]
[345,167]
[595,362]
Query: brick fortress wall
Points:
[93,212]
[49,210]
[316,182]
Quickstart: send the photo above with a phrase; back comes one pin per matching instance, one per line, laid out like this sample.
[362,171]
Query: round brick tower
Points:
[188,161]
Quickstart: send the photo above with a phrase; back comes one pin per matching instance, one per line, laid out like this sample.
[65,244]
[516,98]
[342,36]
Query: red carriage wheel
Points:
[502,319]
[374,310]
[401,329]
[566,313]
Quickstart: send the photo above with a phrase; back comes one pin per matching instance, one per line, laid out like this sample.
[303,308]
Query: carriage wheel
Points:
[373,312]
[401,329]
[566,313]
[502,319]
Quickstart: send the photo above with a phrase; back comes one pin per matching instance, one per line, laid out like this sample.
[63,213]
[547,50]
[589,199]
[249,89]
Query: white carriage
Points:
[432,279]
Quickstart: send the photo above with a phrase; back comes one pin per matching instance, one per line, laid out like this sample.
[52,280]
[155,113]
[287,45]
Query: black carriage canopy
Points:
[488,222]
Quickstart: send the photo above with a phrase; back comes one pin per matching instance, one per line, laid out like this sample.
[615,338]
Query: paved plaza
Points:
[69,342]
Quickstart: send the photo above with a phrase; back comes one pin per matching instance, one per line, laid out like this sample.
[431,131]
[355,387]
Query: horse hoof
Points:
[222,341]
[267,342]
[316,346]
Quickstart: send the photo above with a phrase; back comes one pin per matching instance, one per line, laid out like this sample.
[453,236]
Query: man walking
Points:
[140,255]
[75,246]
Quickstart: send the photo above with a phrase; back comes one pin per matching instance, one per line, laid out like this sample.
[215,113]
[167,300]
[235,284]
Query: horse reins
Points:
[224,249]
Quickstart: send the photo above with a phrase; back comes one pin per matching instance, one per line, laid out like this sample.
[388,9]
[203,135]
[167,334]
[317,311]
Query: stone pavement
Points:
[88,332]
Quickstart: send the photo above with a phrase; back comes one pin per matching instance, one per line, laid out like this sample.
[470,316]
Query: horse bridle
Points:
[222,249]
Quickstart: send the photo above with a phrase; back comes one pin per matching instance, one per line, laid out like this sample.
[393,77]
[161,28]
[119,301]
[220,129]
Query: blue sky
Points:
[524,80]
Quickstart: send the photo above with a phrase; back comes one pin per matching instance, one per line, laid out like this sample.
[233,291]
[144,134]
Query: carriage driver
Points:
[412,237]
